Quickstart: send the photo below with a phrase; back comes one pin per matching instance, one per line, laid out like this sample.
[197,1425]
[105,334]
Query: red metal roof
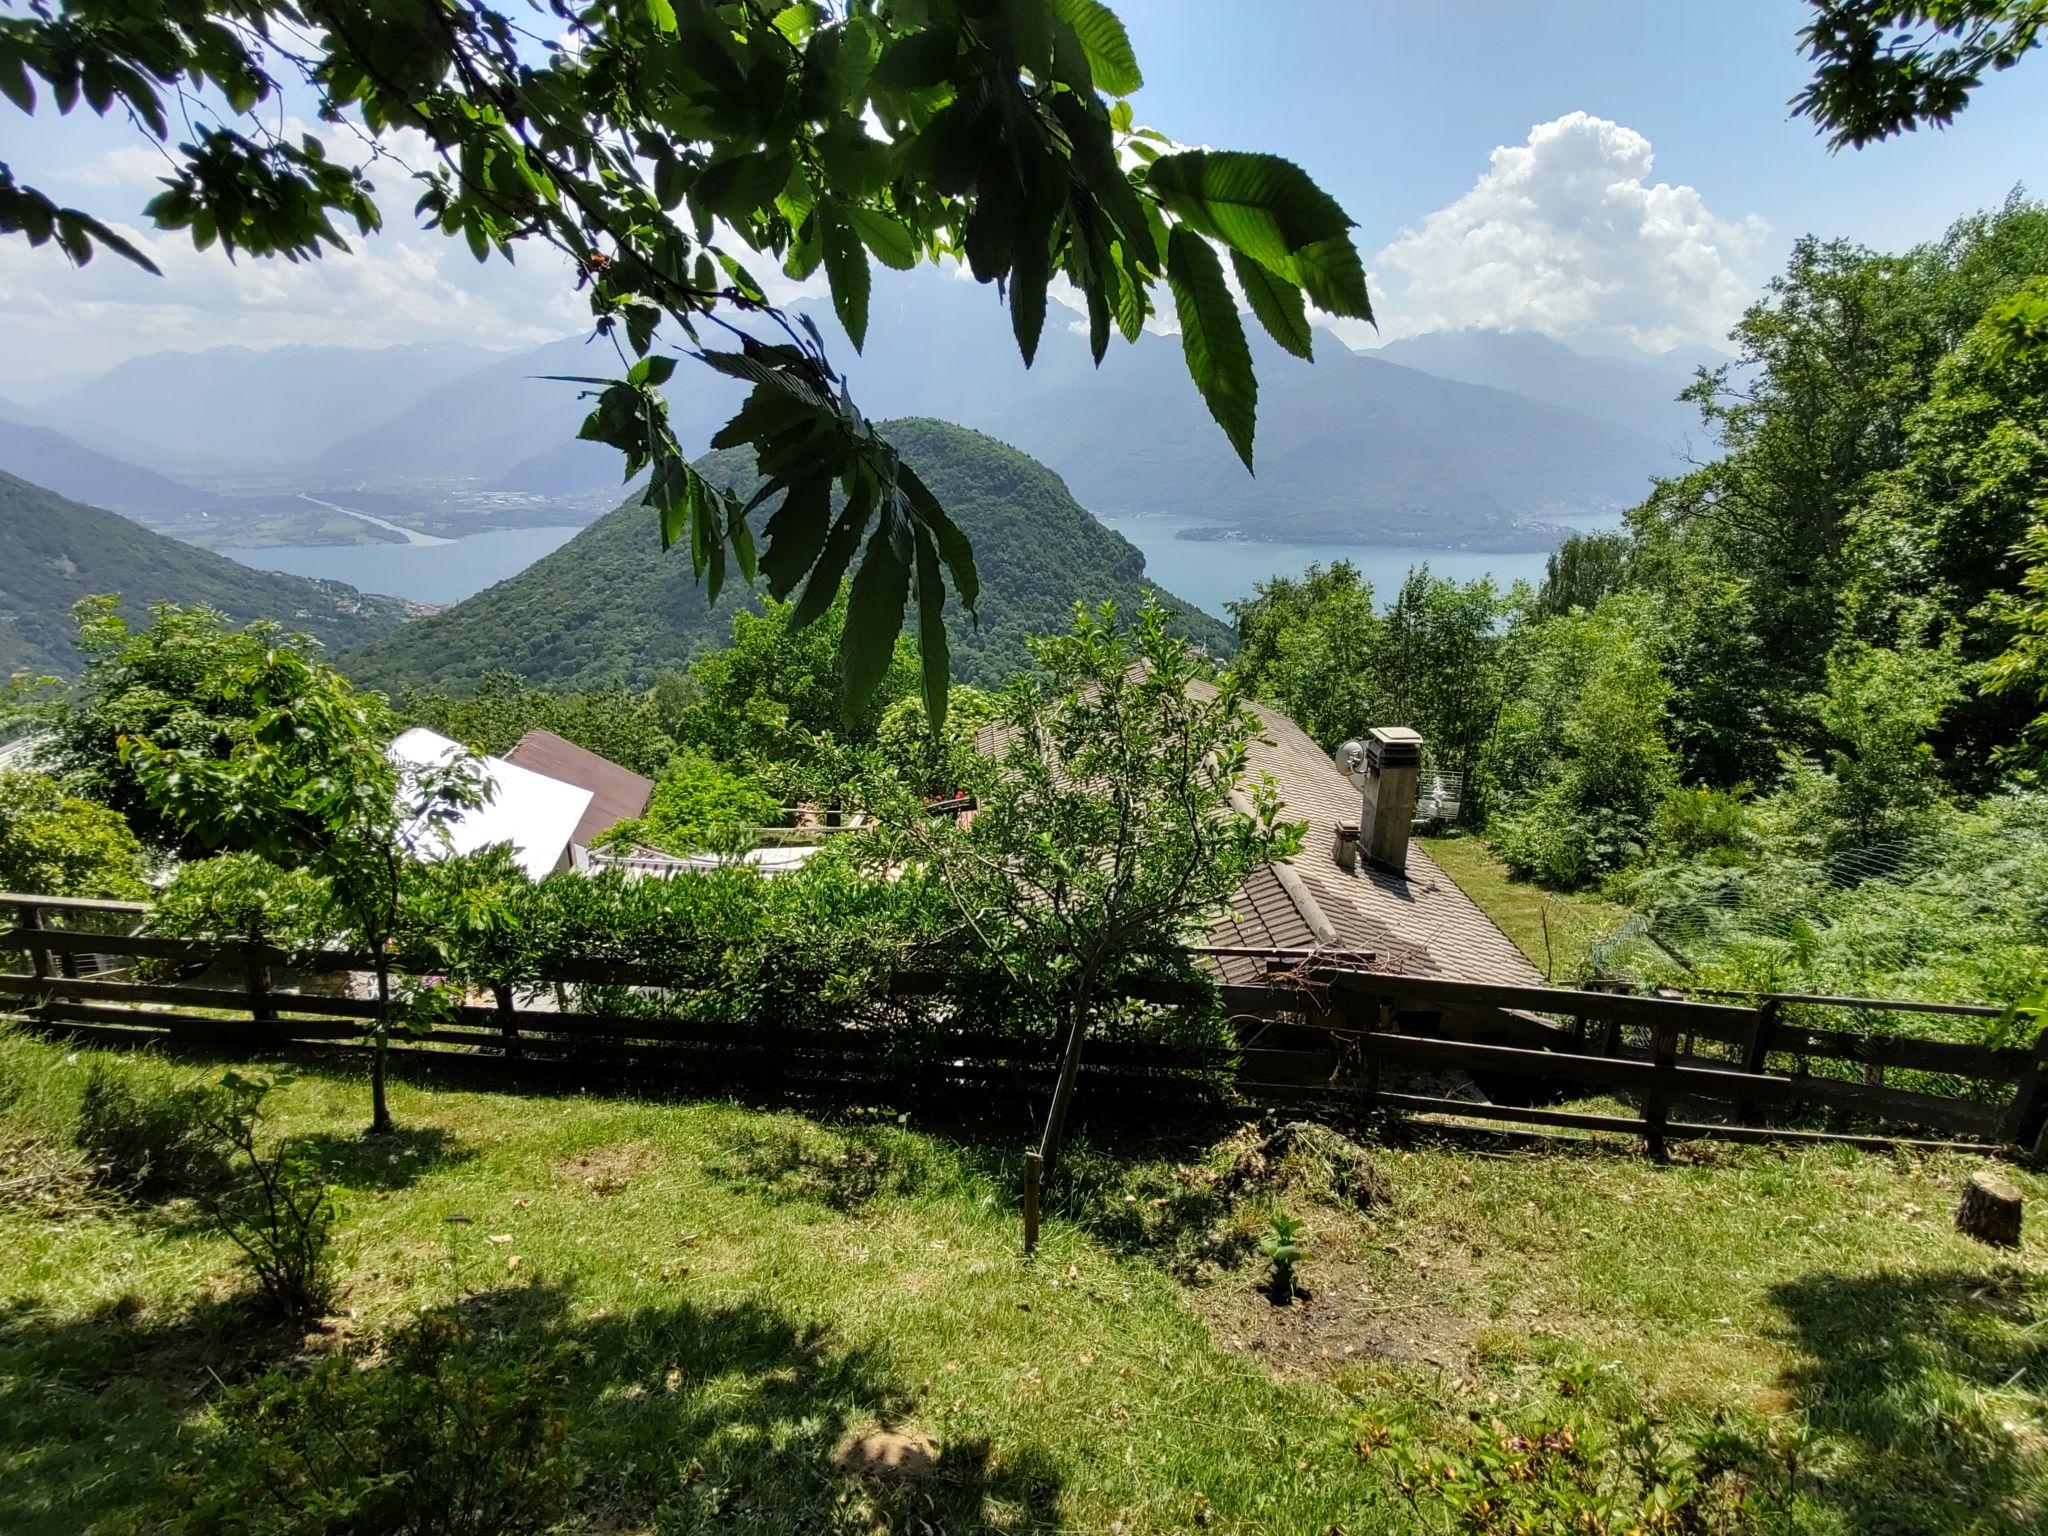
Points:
[616,794]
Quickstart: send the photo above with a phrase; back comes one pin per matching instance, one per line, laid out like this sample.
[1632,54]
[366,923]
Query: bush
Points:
[281,1217]
[697,799]
[432,1440]
[145,1138]
[241,896]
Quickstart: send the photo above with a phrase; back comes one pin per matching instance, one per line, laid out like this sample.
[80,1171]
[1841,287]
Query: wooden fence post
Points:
[257,974]
[508,1018]
[1756,1049]
[1034,1172]
[1657,1102]
[38,956]
[2024,1122]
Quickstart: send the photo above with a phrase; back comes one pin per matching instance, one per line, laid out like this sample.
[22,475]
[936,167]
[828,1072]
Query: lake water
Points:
[1212,572]
[1208,573]
[425,573]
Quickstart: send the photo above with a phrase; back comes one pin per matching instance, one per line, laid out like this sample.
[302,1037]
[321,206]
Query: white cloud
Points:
[1567,234]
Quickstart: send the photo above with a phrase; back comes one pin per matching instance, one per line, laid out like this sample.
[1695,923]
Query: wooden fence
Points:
[1343,1037]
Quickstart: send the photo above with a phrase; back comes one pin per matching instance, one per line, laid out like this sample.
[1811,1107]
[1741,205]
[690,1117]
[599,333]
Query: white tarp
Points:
[532,812]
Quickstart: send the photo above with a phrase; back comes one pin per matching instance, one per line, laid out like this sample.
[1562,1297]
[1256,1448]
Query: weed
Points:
[1283,1248]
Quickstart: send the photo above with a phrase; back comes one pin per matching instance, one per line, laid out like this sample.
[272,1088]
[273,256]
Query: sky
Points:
[1622,175]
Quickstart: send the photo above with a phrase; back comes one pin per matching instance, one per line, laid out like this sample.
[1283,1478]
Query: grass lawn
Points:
[719,1294]
[1555,929]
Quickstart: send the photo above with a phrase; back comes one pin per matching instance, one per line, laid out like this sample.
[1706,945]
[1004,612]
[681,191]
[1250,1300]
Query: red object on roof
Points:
[616,794]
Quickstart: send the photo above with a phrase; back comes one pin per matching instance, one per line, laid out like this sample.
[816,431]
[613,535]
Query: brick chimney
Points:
[1393,754]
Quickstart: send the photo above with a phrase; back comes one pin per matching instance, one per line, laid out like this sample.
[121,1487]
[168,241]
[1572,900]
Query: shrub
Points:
[143,1137]
[432,1440]
[697,799]
[241,896]
[281,1217]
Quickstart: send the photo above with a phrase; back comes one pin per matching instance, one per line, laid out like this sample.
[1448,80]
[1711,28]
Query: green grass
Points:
[1555,929]
[731,1290]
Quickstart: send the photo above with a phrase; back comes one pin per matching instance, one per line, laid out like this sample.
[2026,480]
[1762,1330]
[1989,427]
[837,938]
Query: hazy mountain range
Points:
[1470,438]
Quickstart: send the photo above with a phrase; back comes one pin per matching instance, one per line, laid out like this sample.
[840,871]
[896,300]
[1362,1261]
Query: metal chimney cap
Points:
[1393,746]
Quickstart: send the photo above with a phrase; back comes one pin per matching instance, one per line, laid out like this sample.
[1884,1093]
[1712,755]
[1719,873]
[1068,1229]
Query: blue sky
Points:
[1649,179]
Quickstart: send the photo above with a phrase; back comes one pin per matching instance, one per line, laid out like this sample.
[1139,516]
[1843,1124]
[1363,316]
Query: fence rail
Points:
[1319,1031]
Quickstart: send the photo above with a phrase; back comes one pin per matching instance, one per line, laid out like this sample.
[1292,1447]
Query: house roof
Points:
[534,813]
[616,794]
[1419,923]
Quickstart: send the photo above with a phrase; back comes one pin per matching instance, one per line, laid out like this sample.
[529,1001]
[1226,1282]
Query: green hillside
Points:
[608,606]
[54,551]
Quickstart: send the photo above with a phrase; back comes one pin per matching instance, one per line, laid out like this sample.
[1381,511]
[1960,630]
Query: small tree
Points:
[291,765]
[1116,812]
[53,843]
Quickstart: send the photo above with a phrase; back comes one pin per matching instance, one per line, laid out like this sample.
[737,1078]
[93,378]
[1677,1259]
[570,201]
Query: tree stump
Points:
[1990,1210]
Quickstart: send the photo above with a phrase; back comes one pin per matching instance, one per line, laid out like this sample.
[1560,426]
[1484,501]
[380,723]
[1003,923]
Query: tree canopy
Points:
[661,144]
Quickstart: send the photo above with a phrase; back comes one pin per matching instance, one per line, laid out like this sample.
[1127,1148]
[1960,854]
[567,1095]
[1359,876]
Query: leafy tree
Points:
[1580,761]
[1310,645]
[1116,814]
[279,756]
[1885,67]
[242,896]
[771,696]
[625,727]
[936,760]
[696,798]
[632,134]
[1581,571]
[53,843]
[1879,708]
[1440,663]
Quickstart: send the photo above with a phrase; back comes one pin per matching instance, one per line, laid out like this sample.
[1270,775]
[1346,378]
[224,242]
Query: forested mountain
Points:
[235,407]
[54,551]
[609,606]
[46,457]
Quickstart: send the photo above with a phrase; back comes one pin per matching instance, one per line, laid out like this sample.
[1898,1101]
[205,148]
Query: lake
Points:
[1212,572]
[1208,573]
[425,573]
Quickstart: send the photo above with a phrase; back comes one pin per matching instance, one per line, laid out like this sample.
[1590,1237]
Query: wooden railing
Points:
[1338,1034]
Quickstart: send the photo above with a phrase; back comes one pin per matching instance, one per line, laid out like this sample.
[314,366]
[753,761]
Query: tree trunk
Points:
[380,1112]
[1990,1210]
[1063,1091]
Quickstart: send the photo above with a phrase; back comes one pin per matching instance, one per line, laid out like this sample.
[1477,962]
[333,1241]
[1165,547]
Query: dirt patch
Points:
[610,1170]
[1339,1317]
[889,1455]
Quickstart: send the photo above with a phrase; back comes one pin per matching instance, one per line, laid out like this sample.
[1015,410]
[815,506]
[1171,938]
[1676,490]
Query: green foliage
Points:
[1116,813]
[58,844]
[1879,708]
[239,740]
[1570,1471]
[144,1137]
[627,728]
[436,1439]
[1883,68]
[938,761]
[814,139]
[604,610]
[1579,762]
[56,553]
[1582,571]
[1283,1247]
[1434,661]
[696,800]
[244,896]
[280,1214]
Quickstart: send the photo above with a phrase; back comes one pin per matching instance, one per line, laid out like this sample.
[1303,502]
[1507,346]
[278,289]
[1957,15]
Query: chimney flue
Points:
[1393,755]
[1345,850]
